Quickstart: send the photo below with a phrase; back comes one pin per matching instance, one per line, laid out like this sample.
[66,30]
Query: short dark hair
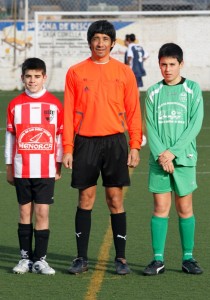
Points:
[34,63]
[171,50]
[101,26]
[127,37]
[132,37]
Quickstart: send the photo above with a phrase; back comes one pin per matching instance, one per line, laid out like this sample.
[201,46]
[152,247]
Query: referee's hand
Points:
[67,160]
[133,158]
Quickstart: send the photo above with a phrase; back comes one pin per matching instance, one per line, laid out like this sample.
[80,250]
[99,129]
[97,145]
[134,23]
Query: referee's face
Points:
[100,46]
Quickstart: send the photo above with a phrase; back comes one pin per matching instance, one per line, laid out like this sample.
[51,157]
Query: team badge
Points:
[183,97]
[49,114]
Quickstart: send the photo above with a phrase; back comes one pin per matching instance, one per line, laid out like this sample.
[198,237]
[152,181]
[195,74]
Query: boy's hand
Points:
[168,167]
[165,157]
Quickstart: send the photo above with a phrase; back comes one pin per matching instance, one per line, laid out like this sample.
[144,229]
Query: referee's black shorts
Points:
[105,155]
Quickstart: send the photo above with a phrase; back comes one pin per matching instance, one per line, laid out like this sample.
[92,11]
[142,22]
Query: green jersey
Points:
[174,116]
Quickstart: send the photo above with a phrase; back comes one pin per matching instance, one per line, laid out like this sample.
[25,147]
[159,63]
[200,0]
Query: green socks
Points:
[187,231]
[159,227]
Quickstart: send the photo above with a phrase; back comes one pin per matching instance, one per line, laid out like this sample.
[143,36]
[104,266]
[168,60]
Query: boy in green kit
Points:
[174,114]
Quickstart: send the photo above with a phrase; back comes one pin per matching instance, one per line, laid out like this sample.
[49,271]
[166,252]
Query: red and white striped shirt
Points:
[33,138]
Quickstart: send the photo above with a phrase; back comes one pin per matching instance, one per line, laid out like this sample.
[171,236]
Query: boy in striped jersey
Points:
[33,155]
[174,115]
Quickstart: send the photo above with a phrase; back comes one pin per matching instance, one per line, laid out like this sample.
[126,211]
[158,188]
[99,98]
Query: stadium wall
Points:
[63,43]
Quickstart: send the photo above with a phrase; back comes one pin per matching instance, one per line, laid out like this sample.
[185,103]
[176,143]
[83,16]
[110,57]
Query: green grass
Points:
[173,284]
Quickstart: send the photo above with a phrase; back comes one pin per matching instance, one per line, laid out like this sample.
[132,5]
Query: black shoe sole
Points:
[77,273]
[153,274]
[190,273]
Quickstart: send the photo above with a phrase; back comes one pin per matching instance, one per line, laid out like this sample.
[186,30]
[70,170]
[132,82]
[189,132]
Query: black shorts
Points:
[106,155]
[38,190]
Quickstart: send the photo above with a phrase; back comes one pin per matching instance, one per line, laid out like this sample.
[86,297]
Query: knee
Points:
[161,210]
[115,205]
[25,214]
[86,200]
[185,211]
[41,211]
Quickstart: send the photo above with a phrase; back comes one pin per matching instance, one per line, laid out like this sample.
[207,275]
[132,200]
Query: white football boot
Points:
[23,266]
[42,267]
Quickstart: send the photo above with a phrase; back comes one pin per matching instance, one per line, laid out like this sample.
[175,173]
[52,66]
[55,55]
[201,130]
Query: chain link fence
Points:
[10,7]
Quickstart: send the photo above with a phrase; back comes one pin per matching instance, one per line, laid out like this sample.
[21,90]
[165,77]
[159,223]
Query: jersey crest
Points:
[49,114]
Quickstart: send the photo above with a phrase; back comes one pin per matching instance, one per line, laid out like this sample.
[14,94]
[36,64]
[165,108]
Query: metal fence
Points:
[9,8]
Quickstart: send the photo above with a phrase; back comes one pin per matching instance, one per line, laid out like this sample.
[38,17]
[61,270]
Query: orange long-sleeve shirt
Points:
[100,100]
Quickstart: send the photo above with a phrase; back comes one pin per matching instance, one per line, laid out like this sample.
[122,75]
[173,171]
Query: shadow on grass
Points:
[9,256]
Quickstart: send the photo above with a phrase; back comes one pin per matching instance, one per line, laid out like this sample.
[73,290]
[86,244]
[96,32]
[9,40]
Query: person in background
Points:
[136,56]
[101,102]
[174,115]
[126,43]
[33,156]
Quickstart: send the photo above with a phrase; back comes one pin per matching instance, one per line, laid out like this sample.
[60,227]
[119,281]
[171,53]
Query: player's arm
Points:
[146,56]
[129,59]
[165,157]
[58,171]
[193,127]
[155,143]
[9,142]
[129,55]
[10,177]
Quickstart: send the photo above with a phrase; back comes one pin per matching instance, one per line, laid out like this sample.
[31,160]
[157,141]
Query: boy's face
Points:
[170,69]
[126,43]
[34,80]
[100,46]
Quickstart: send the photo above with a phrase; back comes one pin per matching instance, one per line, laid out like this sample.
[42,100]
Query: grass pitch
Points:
[100,282]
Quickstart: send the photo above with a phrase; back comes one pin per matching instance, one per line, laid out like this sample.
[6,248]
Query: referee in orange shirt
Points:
[101,103]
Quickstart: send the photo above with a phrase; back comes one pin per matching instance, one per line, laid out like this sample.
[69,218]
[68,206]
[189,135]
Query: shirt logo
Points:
[183,97]
[49,114]
[35,138]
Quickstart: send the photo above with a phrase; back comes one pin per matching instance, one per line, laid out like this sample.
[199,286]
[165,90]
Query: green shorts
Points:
[182,181]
